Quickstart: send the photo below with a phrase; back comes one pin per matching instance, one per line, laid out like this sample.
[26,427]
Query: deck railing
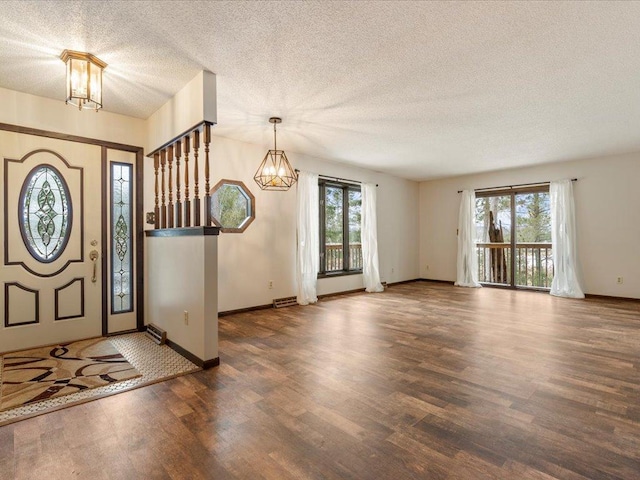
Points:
[533,264]
[334,254]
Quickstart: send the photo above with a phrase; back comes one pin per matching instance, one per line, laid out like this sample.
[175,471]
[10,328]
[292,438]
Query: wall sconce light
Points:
[275,172]
[84,79]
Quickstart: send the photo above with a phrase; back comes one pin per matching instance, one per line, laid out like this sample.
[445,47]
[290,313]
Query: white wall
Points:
[607,198]
[194,103]
[178,280]
[266,249]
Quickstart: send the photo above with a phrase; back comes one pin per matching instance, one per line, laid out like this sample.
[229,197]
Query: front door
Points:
[68,235]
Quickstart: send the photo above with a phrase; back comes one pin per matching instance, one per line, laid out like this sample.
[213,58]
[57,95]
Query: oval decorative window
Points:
[45,213]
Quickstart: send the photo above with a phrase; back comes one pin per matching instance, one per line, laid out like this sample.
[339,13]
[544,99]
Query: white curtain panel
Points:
[563,240]
[308,229]
[467,266]
[369,236]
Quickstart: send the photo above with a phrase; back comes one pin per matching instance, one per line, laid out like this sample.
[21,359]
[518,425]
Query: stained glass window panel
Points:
[45,213]
[121,238]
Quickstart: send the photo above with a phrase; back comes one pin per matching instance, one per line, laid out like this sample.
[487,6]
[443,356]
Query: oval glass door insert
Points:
[45,214]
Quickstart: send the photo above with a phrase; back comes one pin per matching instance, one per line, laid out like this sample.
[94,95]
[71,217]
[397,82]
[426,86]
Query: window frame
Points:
[251,204]
[346,188]
[512,192]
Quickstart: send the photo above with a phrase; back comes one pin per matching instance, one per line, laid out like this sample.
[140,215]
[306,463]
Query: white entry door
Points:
[58,243]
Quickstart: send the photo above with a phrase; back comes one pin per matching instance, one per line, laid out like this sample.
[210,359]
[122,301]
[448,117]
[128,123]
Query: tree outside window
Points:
[340,227]
[232,206]
[513,233]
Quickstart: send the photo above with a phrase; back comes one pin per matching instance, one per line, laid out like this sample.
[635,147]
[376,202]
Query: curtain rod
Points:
[337,179]
[488,189]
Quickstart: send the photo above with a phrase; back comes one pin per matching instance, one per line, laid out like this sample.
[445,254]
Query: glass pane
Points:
[230,206]
[534,260]
[121,238]
[355,220]
[79,78]
[493,236]
[333,208]
[45,213]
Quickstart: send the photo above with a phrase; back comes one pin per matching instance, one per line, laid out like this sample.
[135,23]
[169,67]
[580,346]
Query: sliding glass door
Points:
[493,239]
[513,238]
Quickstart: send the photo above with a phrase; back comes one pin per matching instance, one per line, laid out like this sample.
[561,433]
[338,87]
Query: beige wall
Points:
[416,222]
[607,200]
[18,108]
[178,280]
[266,250]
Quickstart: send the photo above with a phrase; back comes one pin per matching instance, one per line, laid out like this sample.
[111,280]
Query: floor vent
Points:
[284,302]
[156,334]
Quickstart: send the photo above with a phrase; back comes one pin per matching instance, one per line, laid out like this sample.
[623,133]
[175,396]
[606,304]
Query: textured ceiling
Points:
[418,89]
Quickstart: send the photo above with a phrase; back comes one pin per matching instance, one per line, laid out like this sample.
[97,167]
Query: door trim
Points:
[139,214]
[103,240]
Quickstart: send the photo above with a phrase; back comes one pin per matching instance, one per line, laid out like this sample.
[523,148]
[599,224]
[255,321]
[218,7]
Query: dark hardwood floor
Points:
[423,381]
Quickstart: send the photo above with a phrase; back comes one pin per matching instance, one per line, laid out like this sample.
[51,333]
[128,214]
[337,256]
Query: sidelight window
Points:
[121,238]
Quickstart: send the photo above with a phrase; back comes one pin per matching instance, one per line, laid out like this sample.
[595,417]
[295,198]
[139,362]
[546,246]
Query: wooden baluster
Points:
[196,196]
[156,210]
[163,209]
[187,201]
[170,208]
[178,152]
[207,195]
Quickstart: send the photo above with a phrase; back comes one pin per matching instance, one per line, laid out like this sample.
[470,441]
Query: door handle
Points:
[93,256]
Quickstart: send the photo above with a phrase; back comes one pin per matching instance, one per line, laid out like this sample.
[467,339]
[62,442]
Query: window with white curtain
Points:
[340,228]
[513,237]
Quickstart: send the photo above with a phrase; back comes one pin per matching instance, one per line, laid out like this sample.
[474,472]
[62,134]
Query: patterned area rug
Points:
[40,374]
[155,362]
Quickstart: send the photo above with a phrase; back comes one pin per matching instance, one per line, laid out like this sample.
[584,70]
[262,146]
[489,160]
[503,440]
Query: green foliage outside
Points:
[534,265]
[230,206]
[333,206]
[533,225]
[533,216]
[334,230]
[355,216]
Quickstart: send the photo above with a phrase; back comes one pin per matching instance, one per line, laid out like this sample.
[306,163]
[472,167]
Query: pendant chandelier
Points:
[275,172]
[84,80]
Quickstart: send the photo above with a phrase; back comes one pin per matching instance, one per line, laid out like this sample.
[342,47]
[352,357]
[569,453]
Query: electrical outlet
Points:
[270,284]
[620,280]
[427,267]
[186,317]
[393,270]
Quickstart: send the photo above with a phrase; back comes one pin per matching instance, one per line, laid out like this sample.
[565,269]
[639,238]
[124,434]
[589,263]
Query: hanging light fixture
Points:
[84,79]
[275,172]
